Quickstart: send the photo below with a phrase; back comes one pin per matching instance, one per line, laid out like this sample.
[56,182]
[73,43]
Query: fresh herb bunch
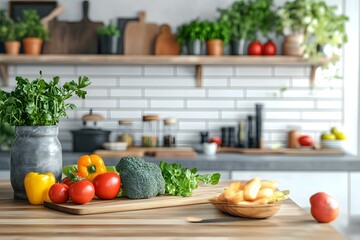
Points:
[108,30]
[219,31]
[181,181]
[7,134]
[194,30]
[34,27]
[39,103]
[4,21]
[15,31]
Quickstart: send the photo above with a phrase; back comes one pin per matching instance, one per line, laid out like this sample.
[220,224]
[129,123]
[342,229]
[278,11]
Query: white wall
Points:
[229,92]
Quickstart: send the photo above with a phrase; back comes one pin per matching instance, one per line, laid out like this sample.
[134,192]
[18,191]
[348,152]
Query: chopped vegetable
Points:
[181,181]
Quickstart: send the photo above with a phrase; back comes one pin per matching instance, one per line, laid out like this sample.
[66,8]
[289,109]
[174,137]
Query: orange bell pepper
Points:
[86,164]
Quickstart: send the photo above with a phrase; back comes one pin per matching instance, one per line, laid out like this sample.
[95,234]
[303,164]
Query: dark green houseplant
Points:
[108,38]
[35,108]
[194,35]
[13,33]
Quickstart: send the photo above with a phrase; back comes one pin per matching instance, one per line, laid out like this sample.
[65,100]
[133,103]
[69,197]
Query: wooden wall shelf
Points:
[198,61]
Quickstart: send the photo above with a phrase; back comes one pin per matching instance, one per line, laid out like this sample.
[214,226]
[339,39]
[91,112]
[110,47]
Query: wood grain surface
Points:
[165,43]
[139,37]
[109,153]
[291,151]
[19,220]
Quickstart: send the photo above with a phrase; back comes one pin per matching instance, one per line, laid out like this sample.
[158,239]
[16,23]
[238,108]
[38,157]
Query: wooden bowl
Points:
[248,211]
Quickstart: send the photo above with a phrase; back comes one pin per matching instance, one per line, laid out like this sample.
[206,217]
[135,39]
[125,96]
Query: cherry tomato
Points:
[216,140]
[107,185]
[59,193]
[255,48]
[82,192]
[324,208]
[306,141]
[269,48]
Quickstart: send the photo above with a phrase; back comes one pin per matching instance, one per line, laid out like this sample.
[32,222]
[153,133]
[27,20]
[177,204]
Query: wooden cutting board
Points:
[200,195]
[116,154]
[121,23]
[140,37]
[292,151]
[165,43]
[175,154]
[73,37]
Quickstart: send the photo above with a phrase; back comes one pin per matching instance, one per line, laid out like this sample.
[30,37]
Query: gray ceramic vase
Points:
[35,149]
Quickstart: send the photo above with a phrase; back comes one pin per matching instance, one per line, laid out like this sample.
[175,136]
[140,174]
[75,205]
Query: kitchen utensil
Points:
[121,23]
[115,146]
[247,210]
[199,196]
[73,37]
[165,43]
[140,37]
[90,139]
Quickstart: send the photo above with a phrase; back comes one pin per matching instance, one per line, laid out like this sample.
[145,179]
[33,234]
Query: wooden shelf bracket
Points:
[199,80]
[4,74]
[313,70]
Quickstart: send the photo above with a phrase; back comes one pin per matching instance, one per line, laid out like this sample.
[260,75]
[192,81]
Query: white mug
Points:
[209,149]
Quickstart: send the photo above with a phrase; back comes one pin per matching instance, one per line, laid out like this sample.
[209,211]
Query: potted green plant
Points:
[14,34]
[7,134]
[35,108]
[35,32]
[3,29]
[218,35]
[108,38]
[245,19]
[194,35]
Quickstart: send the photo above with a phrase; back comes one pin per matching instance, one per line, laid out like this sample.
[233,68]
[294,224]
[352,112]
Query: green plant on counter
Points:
[3,23]
[34,28]
[246,17]
[15,31]
[108,30]
[39,103]
[7,134]
[195,30]
[217,30]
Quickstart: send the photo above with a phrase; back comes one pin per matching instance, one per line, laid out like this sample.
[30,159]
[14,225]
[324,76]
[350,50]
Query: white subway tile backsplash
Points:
[134,103]
[329,104]
[278,136]
[226,93]
[322,115]
[97,92]
[100,103]
[167,104]
[12,70]
[116,114]
[170,93]
[185,70]
[316,93]
[192,126]
[261,93]
[219,104]
[107,70]
[47,70]
[157,81]
[103,113]
[225,123]
[253,70]
[103,81]
[274,104]
[289,71]
[215,82]
[218,70]
[319,83]
[157,70]
[282,115]
[125,92]
[236,114]
[187,114]
[259,82]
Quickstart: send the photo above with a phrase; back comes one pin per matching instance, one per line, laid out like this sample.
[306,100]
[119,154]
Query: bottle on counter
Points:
[242,134]
[258,125]
[150,135]
[126,132]
[169,132]
[250,132]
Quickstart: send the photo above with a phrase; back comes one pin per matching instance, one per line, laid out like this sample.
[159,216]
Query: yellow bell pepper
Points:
[37,186]
[86,162]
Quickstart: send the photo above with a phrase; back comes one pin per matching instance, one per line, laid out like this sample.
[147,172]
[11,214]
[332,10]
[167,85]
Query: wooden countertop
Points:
[19,220]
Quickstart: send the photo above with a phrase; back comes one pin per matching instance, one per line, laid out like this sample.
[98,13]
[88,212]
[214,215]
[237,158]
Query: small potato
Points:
[261,201]
[236,186]
[251,189]
[265,193]
[221,197]
[229,193]
[237,198]
[269,184]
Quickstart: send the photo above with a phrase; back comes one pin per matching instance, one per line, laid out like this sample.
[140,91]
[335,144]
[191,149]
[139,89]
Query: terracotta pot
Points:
[32,46]
[215,47]
[292,45]
[12,47]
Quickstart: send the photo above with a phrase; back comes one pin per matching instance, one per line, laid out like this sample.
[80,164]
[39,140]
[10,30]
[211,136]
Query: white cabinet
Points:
[303,185]
[355,193]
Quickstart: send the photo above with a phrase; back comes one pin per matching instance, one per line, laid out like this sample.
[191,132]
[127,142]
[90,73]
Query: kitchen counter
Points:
[237,162]
[19,220]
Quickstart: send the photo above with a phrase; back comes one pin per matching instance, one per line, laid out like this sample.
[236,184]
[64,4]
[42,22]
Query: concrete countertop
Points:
[237,162]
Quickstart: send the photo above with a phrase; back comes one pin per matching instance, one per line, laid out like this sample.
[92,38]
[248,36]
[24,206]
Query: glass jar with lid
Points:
[169,132]
[150,131]
[126,132]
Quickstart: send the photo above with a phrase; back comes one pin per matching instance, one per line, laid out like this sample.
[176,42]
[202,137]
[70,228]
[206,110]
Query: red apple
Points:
[324,208]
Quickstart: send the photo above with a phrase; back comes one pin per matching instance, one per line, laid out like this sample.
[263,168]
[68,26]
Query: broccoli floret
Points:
[140,179]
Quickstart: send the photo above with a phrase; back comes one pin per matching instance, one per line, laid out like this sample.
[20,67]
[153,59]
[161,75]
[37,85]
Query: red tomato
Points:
[67,181]
[255,48]
[59,193]
[107,185]
[216,140]
[82,192]
[306,141]
[324,208]
[269,48]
